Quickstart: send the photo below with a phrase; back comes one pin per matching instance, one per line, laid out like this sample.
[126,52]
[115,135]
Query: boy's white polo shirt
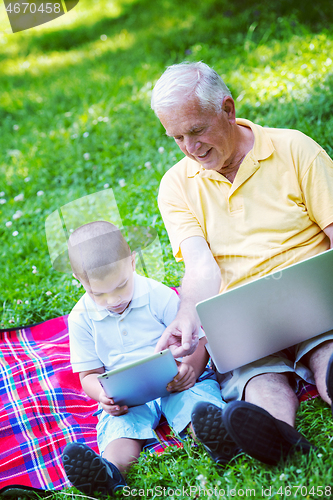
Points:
[99,337]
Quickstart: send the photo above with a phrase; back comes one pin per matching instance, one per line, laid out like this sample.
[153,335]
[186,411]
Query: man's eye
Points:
[178,138]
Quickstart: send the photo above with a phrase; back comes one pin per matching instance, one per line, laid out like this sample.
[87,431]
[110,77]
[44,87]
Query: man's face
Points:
[203,135]
[115,291]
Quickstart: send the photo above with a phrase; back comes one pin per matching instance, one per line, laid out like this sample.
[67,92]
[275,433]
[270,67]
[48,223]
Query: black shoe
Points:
[329,380]
[17,491]
[210,431]
[89,472]
[260,435]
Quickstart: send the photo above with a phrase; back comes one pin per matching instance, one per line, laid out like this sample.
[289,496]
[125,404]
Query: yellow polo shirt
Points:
[271,216]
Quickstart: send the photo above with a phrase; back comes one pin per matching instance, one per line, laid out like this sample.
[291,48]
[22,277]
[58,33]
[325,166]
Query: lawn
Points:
[76,121]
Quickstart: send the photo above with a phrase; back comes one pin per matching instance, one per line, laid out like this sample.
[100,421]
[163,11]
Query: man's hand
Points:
[181,336]
[185,379]
[108,405]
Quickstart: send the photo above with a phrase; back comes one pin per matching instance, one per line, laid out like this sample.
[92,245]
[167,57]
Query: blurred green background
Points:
[75,114]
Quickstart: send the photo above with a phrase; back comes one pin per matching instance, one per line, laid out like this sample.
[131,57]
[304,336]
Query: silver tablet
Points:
[141,381]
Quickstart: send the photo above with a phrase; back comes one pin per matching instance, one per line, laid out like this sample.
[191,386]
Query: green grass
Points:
[81,85]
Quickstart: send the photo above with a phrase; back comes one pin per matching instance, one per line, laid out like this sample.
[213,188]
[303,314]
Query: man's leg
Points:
[273,392]
[261,426]
[317,360]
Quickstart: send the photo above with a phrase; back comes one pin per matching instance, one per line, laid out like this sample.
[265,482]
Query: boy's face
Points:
[115,291]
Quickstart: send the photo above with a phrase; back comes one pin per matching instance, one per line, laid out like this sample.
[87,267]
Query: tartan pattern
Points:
[43,407]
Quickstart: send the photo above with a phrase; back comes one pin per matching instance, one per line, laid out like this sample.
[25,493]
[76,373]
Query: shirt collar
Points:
[140,298]
[263,146]
[262,149]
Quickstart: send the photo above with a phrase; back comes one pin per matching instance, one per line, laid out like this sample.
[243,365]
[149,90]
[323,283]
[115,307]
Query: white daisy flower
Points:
[17,214]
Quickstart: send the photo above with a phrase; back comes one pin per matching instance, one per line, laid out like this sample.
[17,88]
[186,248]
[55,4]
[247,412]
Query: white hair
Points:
[187,79]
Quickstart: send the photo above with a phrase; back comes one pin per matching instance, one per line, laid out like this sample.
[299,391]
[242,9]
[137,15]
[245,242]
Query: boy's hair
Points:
[95,245]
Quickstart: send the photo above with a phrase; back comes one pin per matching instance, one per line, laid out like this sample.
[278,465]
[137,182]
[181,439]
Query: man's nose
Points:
[192,144]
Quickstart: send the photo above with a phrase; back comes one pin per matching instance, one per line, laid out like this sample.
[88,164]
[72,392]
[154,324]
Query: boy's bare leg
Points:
[317,360]
[123,452]
[273,392]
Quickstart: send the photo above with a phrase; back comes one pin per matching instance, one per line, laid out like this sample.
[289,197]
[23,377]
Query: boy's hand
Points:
[184,379]
[108,405]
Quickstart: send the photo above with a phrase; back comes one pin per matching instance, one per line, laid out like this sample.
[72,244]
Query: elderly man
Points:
[243,202]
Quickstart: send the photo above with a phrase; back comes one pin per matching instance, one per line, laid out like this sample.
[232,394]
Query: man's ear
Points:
[228,105]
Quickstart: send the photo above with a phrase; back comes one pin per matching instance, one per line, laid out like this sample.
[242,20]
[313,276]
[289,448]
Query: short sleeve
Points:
[317,188]
[179,220]
[82,346]
[163,302]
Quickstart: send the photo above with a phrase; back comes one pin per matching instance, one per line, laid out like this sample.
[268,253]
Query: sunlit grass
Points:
[60,103]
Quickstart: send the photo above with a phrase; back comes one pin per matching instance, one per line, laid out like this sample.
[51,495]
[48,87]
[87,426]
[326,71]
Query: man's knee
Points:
[318,355]
[267,382]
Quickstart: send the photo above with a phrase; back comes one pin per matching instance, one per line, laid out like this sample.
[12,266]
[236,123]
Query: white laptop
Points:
[141,381]
[269,314]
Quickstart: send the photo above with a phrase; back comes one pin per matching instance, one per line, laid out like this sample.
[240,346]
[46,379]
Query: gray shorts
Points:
[233,383]
[140,421]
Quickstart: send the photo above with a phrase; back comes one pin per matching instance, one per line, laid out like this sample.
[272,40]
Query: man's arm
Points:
[202,280]
[328,230]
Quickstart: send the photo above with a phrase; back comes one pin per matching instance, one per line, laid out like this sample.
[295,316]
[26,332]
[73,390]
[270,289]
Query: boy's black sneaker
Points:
[89,472]
[329,380]
[209,429]
[260,435]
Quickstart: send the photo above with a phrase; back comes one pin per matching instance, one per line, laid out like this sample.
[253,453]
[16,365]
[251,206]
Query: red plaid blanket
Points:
[43,407]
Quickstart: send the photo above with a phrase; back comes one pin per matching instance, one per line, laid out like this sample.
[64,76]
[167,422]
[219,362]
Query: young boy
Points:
[118,320]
